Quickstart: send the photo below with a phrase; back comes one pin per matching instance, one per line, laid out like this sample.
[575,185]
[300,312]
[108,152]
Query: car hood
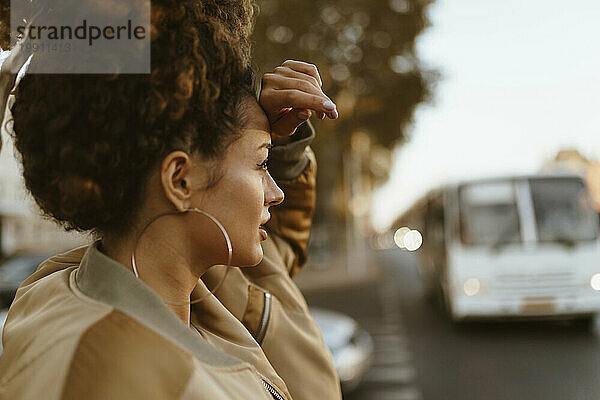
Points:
[337,329]
[54,264]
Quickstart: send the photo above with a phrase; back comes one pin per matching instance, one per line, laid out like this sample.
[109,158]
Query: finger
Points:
[9,69]
[290,73]
[288,123]
[291,98]
[306,68]
[15,61]
[276,81]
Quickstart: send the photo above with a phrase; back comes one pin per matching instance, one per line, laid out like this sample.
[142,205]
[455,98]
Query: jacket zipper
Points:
[272,391]
[264,320]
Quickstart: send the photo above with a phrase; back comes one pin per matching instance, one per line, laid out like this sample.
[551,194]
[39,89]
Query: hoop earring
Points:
[216,222]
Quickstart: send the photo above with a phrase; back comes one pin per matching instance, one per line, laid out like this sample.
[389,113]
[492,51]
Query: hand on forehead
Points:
[11,68]
[290,93]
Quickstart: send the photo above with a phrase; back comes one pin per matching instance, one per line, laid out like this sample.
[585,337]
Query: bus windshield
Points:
[563,210]
[489,214]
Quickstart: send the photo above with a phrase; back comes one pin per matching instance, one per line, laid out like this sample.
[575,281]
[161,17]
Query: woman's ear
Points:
[175,178]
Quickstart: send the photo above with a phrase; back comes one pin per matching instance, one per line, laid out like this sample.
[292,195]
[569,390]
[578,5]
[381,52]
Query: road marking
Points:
[390,341]
[377,328]
[409,393]
[392,375]
[387,358]
[402,375]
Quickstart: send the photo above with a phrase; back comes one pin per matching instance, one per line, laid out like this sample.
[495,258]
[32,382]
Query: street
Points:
[419,354]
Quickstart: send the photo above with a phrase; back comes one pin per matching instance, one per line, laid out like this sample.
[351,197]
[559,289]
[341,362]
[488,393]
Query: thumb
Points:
[287,124]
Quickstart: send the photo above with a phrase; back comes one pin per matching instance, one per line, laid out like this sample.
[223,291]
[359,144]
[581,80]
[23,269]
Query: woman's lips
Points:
[263,234]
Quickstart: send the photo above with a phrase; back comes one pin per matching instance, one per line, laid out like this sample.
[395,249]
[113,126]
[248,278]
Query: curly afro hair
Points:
[4,23]
[89,142]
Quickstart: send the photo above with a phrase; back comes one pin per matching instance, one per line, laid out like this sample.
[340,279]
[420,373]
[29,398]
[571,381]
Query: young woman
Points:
[169,172]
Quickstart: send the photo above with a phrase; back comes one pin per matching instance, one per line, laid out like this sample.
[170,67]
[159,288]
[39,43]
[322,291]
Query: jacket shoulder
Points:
[119,358]
[44,323]
[113,358]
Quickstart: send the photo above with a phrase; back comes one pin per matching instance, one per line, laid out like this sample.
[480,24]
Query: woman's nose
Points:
[273,193]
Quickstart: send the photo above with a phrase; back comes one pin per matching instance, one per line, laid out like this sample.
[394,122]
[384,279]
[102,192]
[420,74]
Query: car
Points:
[3,315]
[350,345]
[13,271]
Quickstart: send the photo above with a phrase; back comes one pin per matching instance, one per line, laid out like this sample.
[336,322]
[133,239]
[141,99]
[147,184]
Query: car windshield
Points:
[563,210]
[489,214]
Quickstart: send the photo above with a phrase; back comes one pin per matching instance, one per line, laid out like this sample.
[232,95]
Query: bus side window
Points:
[435,223]
[435,236]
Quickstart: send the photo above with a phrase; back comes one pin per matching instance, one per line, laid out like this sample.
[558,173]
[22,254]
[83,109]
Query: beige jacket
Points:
[83,327]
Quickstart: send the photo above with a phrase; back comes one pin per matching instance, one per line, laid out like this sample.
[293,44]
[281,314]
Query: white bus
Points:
[523,246]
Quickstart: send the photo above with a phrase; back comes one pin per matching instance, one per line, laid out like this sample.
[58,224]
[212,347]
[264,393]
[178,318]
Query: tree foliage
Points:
[365,51]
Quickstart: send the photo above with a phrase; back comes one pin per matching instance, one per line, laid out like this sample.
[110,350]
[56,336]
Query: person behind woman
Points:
[145,162]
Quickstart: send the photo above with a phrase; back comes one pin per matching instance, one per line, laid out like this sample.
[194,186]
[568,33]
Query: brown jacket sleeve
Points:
[294,168]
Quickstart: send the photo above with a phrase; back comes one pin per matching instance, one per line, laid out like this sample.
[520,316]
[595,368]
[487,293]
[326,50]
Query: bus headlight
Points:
[595,282]
[472,286]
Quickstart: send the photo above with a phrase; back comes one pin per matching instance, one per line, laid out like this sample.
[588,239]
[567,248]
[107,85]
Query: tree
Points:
[365,52]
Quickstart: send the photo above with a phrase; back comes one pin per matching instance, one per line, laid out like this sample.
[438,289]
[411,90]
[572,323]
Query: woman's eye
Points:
[264,164]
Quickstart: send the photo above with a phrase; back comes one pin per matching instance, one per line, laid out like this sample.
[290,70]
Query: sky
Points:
[520,80]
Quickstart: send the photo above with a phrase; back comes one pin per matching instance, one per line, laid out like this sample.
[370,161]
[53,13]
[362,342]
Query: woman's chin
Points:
[251,260]
[258,257]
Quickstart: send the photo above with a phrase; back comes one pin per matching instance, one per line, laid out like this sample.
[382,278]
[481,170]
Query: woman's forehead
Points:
[253,116]
[255,140]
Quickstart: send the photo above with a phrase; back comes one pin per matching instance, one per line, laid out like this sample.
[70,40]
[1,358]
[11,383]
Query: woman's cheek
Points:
[246,217]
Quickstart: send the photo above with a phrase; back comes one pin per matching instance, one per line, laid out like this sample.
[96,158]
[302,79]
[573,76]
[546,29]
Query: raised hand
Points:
[11,62]
[290,93]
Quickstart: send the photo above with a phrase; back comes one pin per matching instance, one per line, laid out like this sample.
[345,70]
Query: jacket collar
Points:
[107,281]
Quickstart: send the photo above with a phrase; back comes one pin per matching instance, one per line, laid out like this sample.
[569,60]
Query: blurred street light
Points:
[595,282]
[408,239]
[399,236]
[413,240]
[472,286]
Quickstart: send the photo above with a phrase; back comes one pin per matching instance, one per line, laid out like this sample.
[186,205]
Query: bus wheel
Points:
[444,305]
[585,323]
[431,293]
[442,301]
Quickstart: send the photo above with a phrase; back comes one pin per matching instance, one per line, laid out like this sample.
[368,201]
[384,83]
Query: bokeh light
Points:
[399,236]
[413,240]
[280,34]
[595,282]
[472,286]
